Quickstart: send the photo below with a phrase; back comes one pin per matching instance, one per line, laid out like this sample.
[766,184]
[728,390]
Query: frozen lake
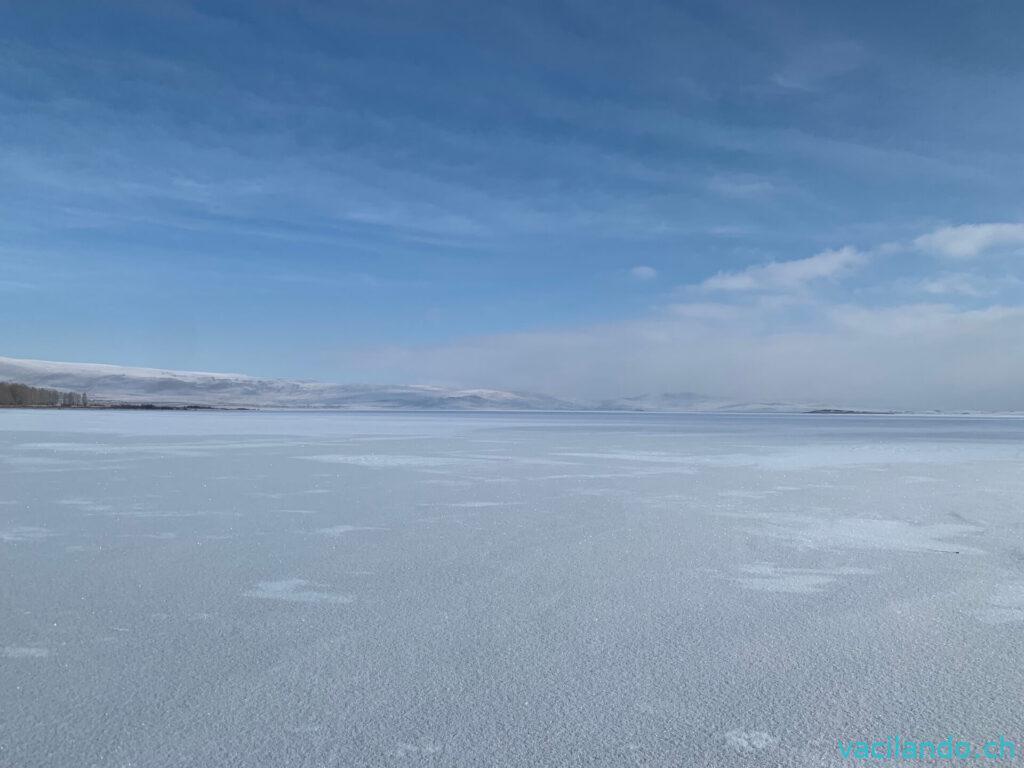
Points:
[338,589]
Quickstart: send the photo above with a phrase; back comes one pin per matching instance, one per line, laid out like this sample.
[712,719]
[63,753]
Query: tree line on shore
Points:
[13,394]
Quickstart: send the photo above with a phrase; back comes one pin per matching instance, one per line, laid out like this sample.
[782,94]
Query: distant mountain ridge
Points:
[691,402]
[112,383]
[128,385]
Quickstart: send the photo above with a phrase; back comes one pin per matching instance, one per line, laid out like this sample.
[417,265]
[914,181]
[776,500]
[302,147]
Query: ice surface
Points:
[348,589]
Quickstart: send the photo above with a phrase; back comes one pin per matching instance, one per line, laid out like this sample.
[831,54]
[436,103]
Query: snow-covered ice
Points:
[535,589]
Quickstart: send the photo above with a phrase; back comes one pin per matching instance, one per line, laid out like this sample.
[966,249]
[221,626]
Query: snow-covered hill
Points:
[112,383]
[119,384]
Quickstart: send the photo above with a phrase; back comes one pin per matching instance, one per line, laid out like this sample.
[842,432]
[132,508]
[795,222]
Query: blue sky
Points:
[773,200]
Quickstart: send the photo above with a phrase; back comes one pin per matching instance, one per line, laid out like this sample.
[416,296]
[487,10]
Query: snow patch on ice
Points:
[86,505]
[34,461]
[748,742]
[24,533]
[649,457]
[1006,605]
[869,533]
[769,577]
[469,504]
[296,591]
[425,747]
[24,652]
[755,495]
[382,460]
[858,455]
[339,530]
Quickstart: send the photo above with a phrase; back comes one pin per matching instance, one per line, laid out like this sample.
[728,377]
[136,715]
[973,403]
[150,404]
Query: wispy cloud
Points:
[925,322]
[811,66]
[13,286]
[643,273]
[787,275]
[957,283]
[742,187]
[704,310]
[969,241]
